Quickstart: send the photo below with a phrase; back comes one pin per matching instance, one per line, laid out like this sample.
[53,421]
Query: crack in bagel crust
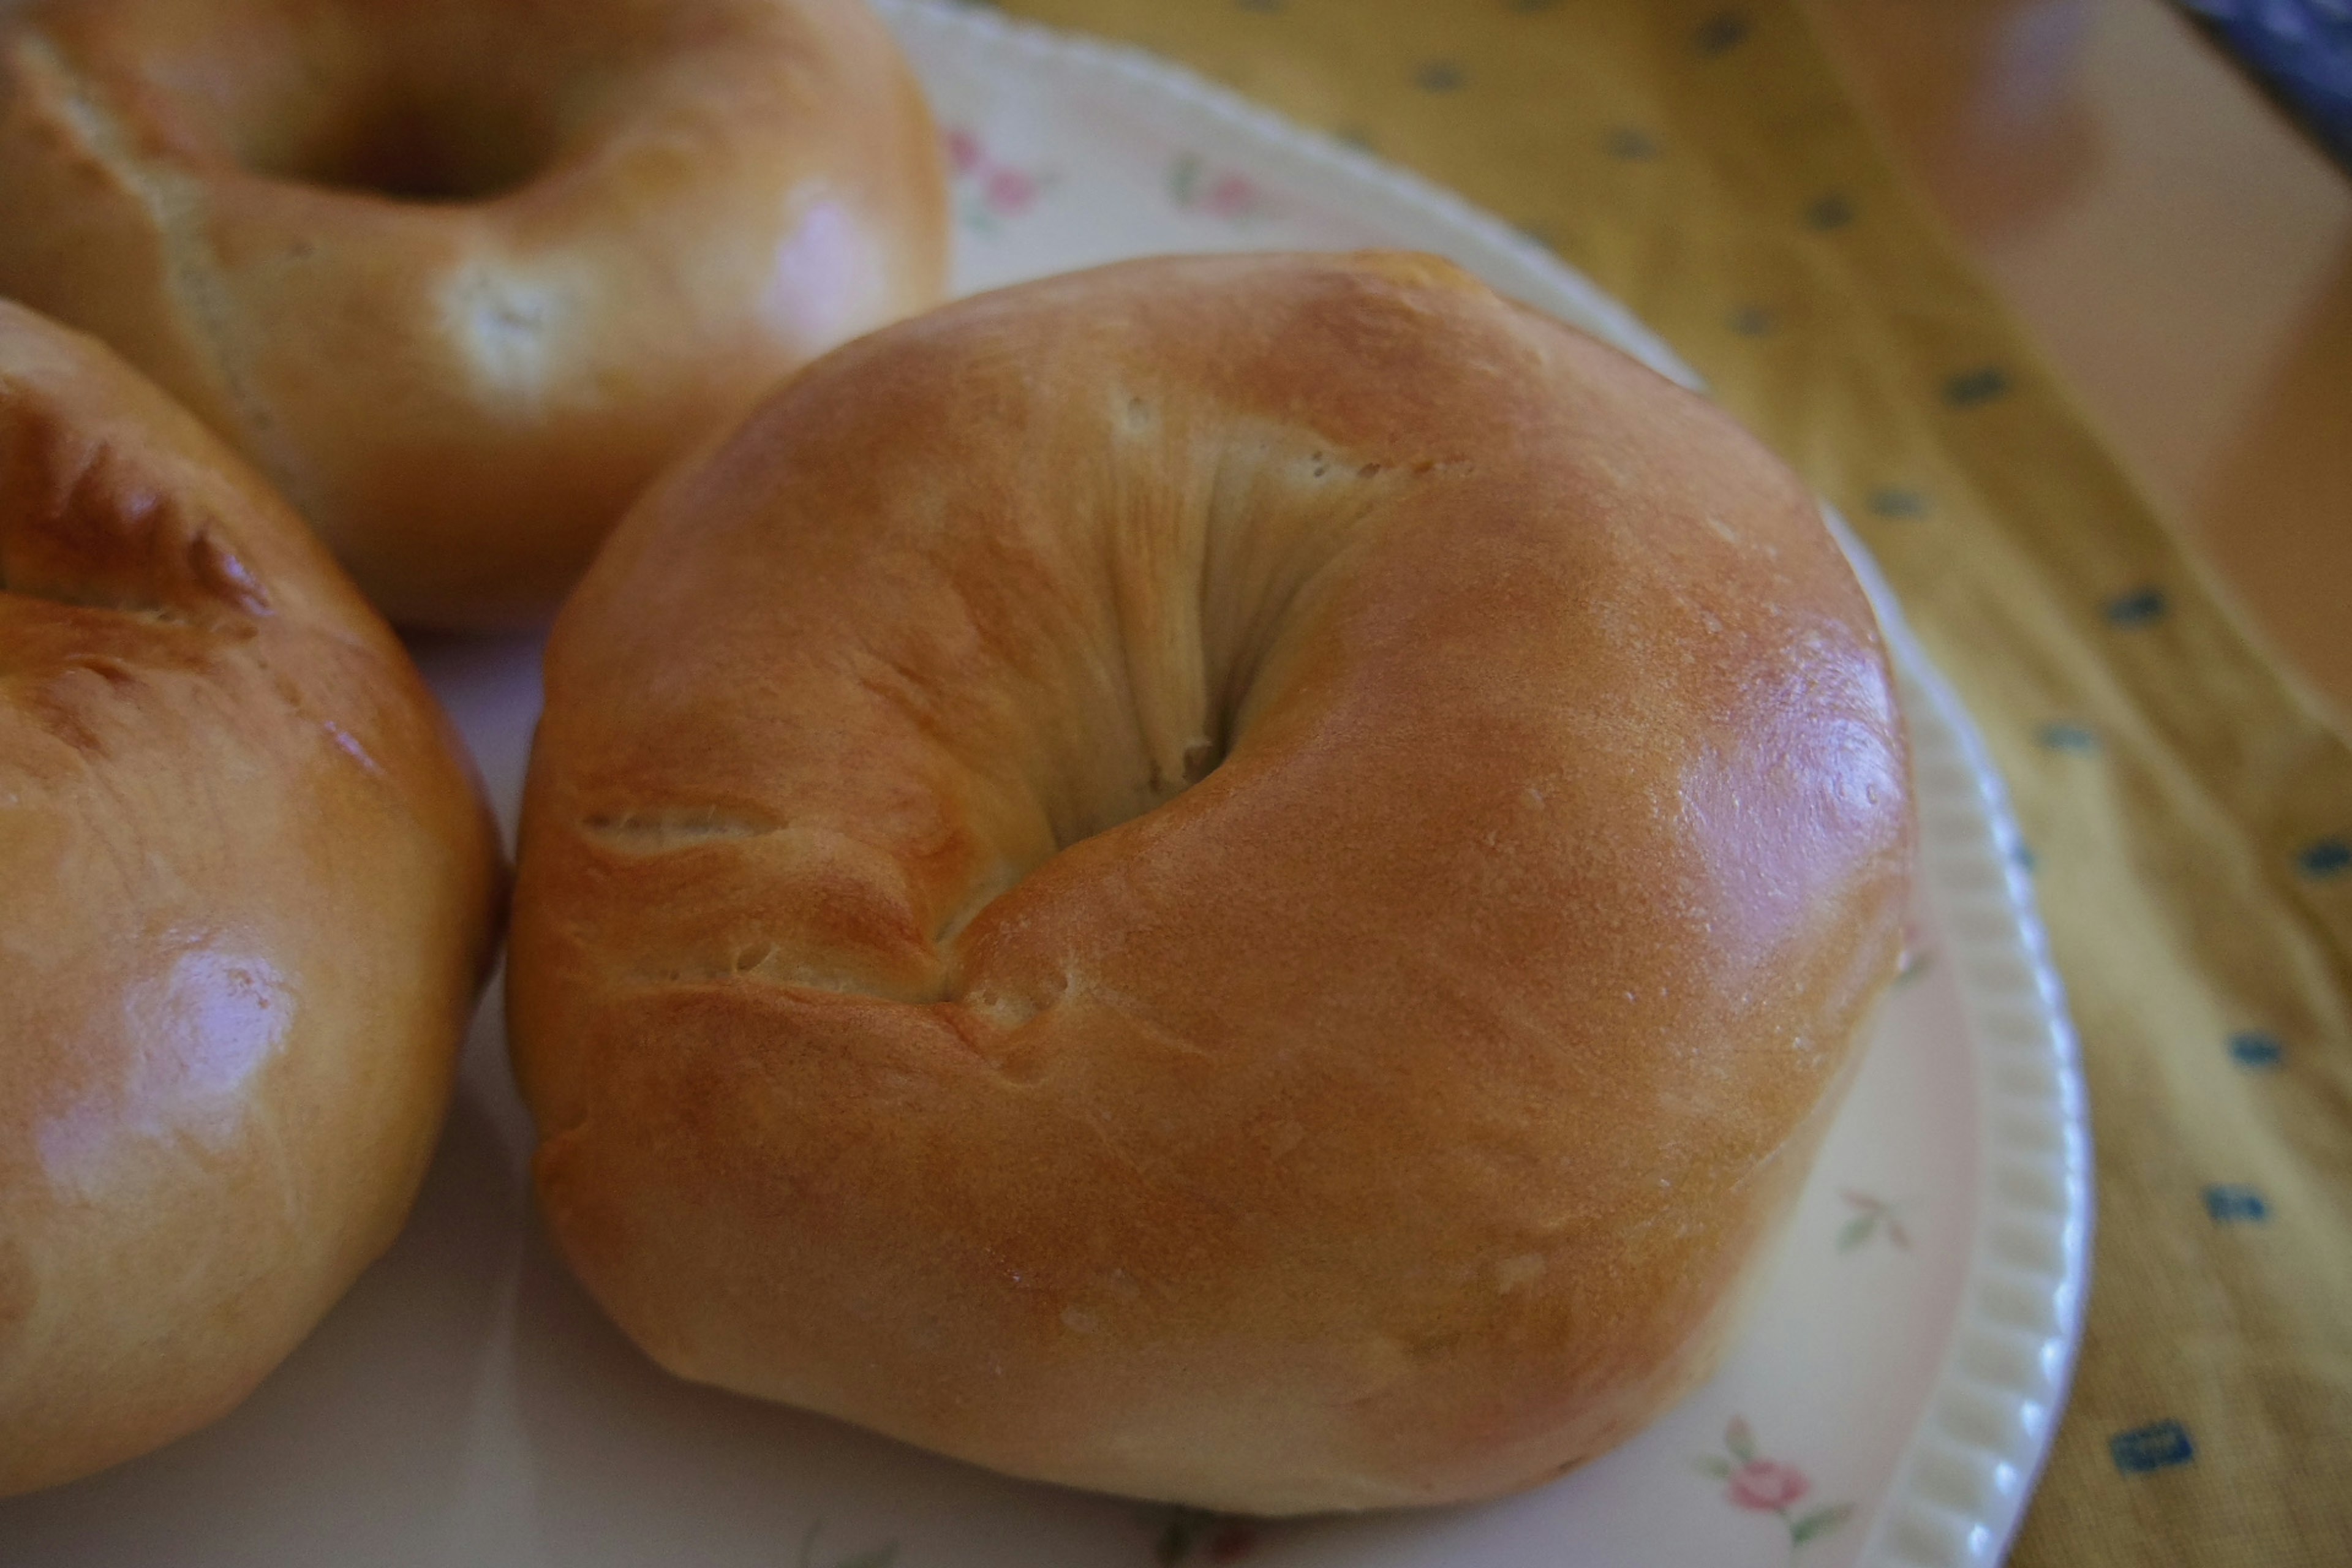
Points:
[188,268]
[1326,845]
[87,521]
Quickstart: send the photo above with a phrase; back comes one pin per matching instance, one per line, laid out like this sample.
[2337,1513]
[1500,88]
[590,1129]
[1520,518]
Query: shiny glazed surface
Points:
[249,898]
[1246,881]
[460,277]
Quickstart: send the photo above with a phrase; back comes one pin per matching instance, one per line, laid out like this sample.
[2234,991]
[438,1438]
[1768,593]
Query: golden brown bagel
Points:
[1243,880]
[459,275]
[249,897]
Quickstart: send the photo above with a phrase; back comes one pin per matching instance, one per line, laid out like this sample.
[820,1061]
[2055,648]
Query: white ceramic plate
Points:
[1891,1400]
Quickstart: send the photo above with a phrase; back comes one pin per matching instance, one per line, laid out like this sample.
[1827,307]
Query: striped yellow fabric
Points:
[2191,819]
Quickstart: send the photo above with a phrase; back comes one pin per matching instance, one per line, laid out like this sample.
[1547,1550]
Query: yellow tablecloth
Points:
[2190,818]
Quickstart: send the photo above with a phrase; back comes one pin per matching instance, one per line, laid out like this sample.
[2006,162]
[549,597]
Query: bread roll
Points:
[249,898]
[1244,881]
[460,275]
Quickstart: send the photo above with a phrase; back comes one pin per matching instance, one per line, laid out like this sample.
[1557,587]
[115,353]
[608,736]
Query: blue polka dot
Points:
[1971,387]
[2324,857]
[1721,33]
[2235,1205]
[2254,1048]
[2026,859]
[2156,1446]
[1833,211]
[1895,501]
[2135,608]
[2065,737]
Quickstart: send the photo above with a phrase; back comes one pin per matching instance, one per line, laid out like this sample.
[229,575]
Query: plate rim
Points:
[1959,1489]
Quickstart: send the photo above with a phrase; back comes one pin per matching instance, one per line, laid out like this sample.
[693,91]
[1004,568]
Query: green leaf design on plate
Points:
[1821,1521]
[1714,1465]
[1856,1231]
[1740,1439]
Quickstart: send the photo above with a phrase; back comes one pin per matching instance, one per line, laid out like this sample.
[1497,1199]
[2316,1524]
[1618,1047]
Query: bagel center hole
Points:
[1089,818]
[406,145]
[1201,757]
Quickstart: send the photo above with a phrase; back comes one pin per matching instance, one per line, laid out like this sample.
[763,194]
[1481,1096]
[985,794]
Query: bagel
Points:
[250,899]
[1242,880]
[460,275]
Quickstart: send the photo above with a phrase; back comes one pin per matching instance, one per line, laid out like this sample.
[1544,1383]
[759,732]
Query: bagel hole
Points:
[407,147]
[1201,757]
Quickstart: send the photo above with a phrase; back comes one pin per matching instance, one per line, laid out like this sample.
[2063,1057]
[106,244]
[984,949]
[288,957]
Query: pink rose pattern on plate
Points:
[1195,1535]
[1775,1486]
[989,191]
[1232,198]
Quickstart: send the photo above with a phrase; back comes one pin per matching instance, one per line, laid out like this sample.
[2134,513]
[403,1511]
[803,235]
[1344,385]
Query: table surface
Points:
[2179,250]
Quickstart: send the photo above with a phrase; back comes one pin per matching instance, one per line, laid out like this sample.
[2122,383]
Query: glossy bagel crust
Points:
[1248,880]
[460,275]
[250,897]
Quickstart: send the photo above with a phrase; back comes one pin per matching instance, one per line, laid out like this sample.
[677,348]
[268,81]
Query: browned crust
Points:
[251,890]
[1395,1114]
[462,396]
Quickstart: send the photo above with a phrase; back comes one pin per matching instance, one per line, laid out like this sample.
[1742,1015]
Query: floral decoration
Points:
[1195,1535]
[1872,1216]
[1761,1485]
[1216,193]
[989,191]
